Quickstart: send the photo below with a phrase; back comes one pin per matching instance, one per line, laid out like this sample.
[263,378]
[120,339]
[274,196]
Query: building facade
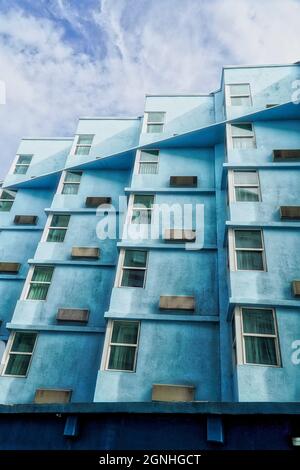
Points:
[194,292]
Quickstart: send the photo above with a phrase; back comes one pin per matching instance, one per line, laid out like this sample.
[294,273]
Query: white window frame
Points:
[240,335]
[76,145]
[120,269]
[48,227]
[16,164]
[29,281]
[228,95]
[147,122]
[232,185]
[7,200]
[138,162]
[132,208]
[230,138]
[7,353]
[109,332]
[233,250]
[62,182]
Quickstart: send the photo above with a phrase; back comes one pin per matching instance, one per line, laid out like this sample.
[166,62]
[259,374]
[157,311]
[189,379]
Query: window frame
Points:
[229,95]
[17,165]
[62,183]
[120,268]
[110,329]
[7,353]
[7,200]
[148,210]
[148,123]
[139,162]
[230,137]
[50,227]
[29,281]
[240,336]
[233,250]
[232,185]
[77,145]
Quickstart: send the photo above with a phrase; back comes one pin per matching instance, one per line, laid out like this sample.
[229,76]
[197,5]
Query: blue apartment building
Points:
[188,338]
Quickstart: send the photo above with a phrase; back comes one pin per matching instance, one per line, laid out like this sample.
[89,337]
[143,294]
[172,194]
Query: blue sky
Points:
[61,59]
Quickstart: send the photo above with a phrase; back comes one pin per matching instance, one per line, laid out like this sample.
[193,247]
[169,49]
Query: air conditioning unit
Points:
[286,155]
[47,395]
[173,393]
[9,268]
[183,181]
[296,288]
[85,252]
[73,315]
[177,302]
[94,201]
[176,235]
[25,219]
[290,212]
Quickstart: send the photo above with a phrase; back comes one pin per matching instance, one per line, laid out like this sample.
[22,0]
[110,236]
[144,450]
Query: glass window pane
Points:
[240,101]
[20,169]
[10,195]
[24,159]
[240,89]
[148,168]
[17,364]
[241,130]
[133,278]
[143,201]
[154,128]
[260,350]
[243,143]
[135,258]
[5,206]
[85,139]
[245,177]
[60,220]
[70,188]
[250,260]
[121,358]
[156,116]
[125,332]
[82,150]
[42,273]
[149,155]
[258,321]
[56,235]
[246,194]
[23,342]
[248,239]
[38,291]
[141,217]
[72,177]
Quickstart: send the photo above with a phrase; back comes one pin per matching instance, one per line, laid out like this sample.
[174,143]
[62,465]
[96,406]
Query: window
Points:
[155,122]
[7,197]
[242,136]
[249,250]
[246,186]
[71,182]
[58,228]
[84,143]
[142,209]
[134,268]
[148,164]
[22,164]
[20,354]
[40,282]
[260,339]
[123,346]
[240,94]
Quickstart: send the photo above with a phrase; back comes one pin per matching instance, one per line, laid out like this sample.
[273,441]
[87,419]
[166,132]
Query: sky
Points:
[62,59]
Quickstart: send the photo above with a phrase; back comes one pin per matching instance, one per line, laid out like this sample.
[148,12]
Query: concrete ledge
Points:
[168,189]
[56,328]
[163,317]
[74,262]
[165,246]
[214,408]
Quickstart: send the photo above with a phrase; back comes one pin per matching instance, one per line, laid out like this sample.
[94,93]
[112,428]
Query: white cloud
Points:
[139,47]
